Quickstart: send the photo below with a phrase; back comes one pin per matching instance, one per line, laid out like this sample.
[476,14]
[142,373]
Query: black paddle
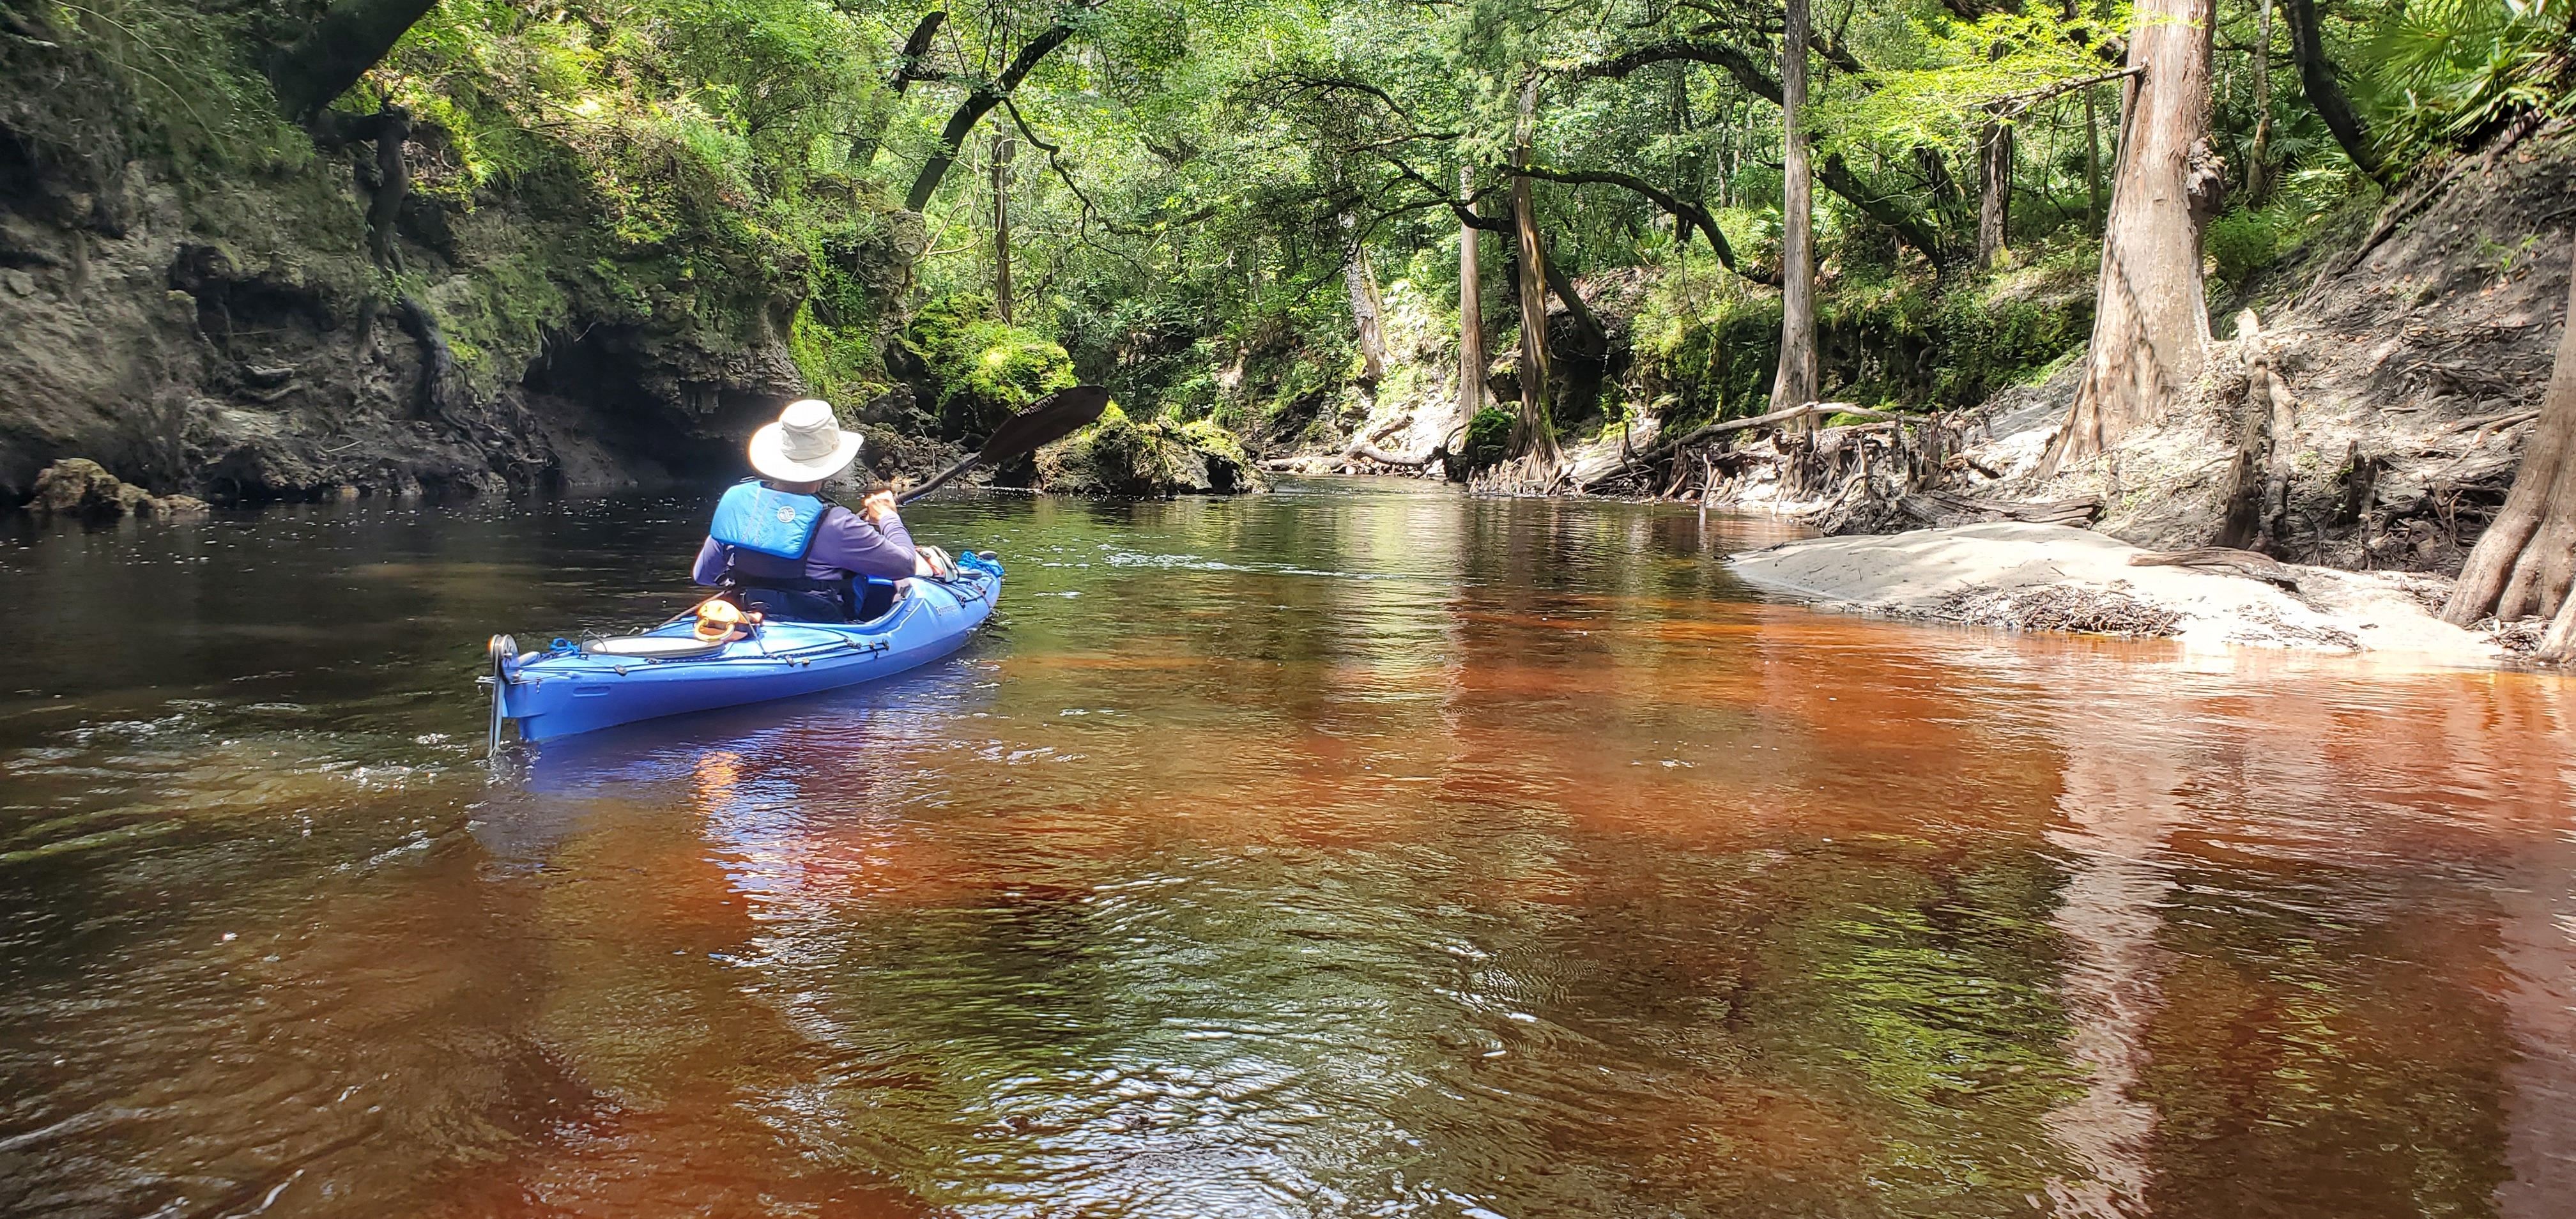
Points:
[1049,419]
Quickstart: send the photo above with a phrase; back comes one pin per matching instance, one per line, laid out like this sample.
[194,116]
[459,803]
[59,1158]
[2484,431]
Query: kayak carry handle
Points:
[501,650]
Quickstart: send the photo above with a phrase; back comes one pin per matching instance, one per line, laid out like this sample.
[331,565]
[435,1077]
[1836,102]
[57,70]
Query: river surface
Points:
[1359,850]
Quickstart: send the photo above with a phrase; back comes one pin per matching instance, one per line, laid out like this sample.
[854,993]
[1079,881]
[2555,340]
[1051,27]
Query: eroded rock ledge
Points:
[2051,577]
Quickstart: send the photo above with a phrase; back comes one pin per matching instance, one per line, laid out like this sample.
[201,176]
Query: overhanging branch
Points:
[984,96]
[1686,214]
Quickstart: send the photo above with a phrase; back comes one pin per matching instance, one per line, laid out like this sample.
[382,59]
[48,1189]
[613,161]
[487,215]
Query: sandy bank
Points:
[2051,577]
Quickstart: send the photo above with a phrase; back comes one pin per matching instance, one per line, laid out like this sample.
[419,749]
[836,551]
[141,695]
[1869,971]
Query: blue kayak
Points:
[582,687]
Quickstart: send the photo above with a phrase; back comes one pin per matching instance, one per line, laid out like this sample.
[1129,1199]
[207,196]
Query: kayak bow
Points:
[582,687]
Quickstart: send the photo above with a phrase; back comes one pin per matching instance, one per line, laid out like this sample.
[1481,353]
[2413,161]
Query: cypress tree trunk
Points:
[2151,320]
[1994,182]
[2092,163]
[1368,310]
[1533,434]
[1471,312]
[1994,191]
[1795,383]
[2526,560]
[393,183]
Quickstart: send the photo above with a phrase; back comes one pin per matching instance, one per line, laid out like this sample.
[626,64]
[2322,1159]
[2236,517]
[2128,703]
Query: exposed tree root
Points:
[2527,559]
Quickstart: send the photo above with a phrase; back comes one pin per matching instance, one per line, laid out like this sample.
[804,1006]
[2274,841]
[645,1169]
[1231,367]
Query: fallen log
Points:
[1943,508]
[2222,560]
[1362,448]
[1785,415]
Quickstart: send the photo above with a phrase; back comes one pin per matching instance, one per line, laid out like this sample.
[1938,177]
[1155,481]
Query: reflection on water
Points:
[1332,853]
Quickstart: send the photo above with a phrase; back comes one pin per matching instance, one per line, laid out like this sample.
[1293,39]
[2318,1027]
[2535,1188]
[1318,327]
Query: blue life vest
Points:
[758,517]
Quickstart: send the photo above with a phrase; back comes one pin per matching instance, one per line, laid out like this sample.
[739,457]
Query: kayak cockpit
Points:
[653,647]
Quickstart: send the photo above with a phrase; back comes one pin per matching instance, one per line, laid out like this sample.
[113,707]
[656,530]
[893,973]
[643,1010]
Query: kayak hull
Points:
[569,690]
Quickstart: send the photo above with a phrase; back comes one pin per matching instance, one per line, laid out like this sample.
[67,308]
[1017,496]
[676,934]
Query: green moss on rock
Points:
[1121,457]
[1489,438]
[986,369]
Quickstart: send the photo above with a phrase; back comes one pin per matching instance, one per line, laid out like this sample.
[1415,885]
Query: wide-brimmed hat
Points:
[806,445]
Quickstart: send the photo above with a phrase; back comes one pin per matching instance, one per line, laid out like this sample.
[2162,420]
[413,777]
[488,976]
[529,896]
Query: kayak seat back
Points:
[874,596]
[861,599]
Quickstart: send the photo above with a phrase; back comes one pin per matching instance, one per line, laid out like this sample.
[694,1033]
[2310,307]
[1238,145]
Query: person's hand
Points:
[879,506]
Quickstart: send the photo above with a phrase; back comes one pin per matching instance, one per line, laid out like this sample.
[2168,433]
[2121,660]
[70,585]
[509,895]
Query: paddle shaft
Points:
[937,480]
[1050,419]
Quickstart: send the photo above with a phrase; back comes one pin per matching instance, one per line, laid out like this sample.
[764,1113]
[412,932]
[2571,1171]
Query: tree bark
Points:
[1596,337]
[2256,479]
[1533,434]
[1994,183]
[1795,383]
[2092,163]
[1367,311]
[2151,319]
[1002,227]
[2525,561]
[351,37]
[1471,311]
[1994,191]
[2317,76]
[2258,170]
[983,97]
[393,183]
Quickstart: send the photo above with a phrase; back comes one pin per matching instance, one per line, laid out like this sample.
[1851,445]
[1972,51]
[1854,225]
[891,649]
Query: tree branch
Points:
[2014,105]
[1686,214]
[1734,59]
[1463,208]
[981,100]
[1831,172]
[907,62]
[1906,223]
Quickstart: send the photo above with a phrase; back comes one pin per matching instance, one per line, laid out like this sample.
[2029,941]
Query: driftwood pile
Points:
[1810,463]
[2061,607]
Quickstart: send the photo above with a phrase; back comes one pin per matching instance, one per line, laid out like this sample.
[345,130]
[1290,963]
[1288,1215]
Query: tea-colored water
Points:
[1357,850]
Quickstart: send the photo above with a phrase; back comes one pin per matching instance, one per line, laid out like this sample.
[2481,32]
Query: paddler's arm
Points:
[711,563]
[879,547]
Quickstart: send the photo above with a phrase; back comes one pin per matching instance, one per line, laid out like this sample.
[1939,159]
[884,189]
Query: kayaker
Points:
[790,552]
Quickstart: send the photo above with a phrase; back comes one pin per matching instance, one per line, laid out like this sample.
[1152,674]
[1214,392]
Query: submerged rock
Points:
[1119,456]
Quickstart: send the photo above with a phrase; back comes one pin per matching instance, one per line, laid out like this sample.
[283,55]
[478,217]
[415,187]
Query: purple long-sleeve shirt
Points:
[845,544]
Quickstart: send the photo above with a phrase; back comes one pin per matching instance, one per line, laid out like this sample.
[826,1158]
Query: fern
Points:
[2448,70]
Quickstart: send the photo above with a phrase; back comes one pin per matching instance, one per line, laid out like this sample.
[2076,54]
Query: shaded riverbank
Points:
[1374,850]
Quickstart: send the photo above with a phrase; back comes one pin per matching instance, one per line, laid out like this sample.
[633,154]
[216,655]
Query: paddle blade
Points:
[1049,419]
